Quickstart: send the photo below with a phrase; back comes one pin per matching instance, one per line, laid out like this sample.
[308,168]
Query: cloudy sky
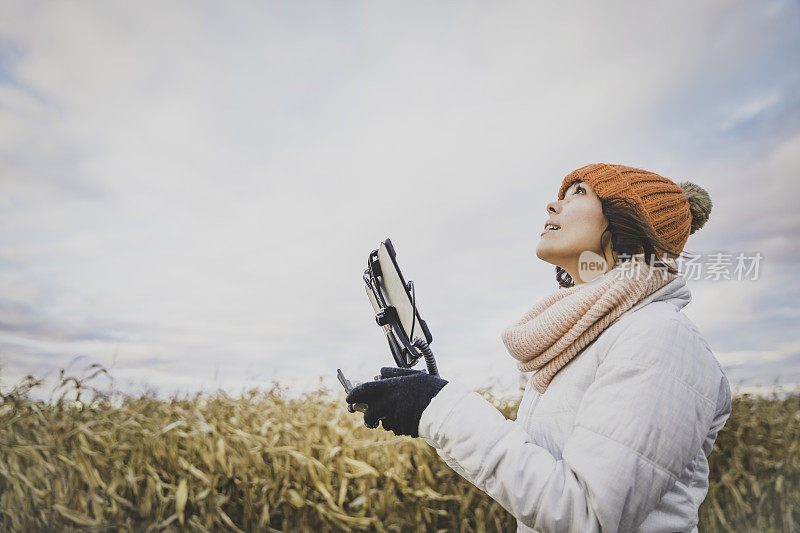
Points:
[189,191]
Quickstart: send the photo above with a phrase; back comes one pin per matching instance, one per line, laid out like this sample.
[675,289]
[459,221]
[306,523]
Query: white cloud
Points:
[781,352]
[719,306]
[204,185]
[753,108]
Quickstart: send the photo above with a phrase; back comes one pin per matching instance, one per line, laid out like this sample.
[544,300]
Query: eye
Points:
[579,188]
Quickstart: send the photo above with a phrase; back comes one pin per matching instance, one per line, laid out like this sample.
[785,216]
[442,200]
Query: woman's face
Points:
[575,246]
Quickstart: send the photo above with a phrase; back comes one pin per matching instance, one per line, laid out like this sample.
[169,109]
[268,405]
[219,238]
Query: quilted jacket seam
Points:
[634,362]
[647,459]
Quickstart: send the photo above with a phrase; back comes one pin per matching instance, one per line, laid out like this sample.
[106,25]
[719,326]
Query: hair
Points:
[631,234]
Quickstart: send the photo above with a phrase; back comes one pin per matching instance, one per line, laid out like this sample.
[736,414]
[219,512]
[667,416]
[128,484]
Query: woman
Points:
[615,426]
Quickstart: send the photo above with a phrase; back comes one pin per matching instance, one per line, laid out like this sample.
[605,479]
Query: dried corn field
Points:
[267,462]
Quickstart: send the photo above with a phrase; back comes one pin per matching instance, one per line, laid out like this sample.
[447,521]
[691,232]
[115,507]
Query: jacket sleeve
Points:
[640,421]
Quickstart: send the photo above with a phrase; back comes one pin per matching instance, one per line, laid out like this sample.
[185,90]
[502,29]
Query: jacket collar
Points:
[675,292]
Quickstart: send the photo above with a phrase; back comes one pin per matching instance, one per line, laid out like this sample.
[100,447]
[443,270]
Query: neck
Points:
[580,276]
[587,277]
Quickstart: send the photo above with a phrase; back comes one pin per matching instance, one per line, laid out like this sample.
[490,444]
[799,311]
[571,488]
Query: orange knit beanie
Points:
[675,211]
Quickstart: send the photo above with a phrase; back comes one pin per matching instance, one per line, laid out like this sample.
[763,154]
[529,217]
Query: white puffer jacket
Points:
[619,440]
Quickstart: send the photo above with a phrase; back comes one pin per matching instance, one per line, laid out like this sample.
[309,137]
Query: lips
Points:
[548,229]
[551,222]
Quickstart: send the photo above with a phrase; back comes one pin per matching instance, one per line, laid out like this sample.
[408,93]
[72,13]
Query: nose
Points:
[552,207]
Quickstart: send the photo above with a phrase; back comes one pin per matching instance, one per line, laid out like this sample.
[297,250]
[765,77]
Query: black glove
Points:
[398,398]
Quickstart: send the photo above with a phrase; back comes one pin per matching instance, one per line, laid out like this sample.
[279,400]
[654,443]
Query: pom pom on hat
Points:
[699,204]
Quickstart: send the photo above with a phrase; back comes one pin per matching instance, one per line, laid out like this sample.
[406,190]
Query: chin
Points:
[544,256]
[556,257]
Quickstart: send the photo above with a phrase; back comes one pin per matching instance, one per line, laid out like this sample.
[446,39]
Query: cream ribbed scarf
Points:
[558,327]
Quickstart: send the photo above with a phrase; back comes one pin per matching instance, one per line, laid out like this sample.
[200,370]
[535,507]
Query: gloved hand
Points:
[398,398]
